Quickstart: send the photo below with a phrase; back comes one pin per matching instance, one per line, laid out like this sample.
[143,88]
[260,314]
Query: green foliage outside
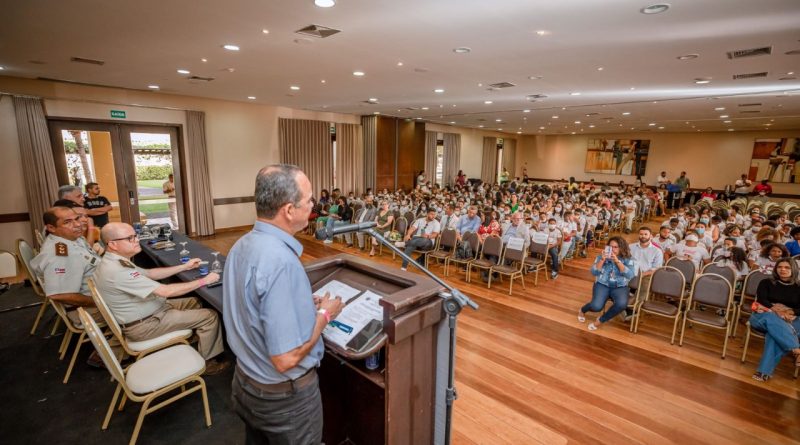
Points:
[160,172]
[149,209]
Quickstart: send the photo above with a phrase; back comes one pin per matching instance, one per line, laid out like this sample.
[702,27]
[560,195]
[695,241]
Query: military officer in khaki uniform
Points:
[64,264]
[145,308]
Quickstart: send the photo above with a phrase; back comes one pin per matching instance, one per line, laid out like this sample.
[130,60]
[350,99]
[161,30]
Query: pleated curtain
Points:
[350,158]
[201,196]
[307,144]
[369,127]
[38,168]
[430,156]
[510,156]
[489,162]
[452,157]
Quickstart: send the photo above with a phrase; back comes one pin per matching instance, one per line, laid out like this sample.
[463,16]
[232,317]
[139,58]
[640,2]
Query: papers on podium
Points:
[356,315]
[338,289]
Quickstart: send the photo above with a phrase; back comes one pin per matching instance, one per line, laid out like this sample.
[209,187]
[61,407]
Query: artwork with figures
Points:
[776,160]
[617,156]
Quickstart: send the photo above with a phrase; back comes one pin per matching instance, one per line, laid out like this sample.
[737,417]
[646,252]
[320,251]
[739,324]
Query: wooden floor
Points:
[528,372]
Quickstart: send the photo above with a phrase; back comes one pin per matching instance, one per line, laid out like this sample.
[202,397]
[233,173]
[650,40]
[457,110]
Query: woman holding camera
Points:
[614,269]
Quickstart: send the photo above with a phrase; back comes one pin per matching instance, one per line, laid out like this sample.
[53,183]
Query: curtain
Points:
[38,168]
[430,156]
[202,201]
[452,157]
[369,126]
[489,163]
[350,158]
[510,157]
[307,144]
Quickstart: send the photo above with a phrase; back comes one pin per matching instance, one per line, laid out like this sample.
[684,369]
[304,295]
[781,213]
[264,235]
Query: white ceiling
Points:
[144,42]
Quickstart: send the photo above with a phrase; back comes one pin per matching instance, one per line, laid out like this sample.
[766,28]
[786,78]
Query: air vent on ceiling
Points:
[369,102]
[738,54]
[535,97]
[74,82]
[481,120]
[502,85]
[749,111]
[750,75]
[750,105]
[317,31]
[411,108]
[89,61]
[200,78]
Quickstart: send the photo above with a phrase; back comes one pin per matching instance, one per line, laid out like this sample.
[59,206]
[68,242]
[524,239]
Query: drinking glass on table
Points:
[184,254]
[216,266]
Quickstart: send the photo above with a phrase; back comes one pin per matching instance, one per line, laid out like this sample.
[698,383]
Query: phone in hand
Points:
[607,252]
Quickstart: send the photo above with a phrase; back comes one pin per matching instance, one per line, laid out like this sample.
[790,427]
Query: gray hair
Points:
[65,190]
[276,185]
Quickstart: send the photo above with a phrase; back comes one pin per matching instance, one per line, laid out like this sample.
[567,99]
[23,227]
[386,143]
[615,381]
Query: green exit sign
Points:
[119,114]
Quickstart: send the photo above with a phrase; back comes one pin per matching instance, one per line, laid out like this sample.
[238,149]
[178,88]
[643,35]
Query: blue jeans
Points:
[600,294]
[417,243]
[553,251]
[781,338]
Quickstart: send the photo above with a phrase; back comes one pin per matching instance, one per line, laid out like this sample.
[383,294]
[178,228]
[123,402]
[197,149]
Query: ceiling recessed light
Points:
[702,80]
[425,108]
[322,81]
[541,128]
[399,63]
[600,68]
[790,73]
[575,94]
[554,117]
[577,122]
[153,87]
[373,99]
[498,120]
[251,97]
[655,9]
[438,90]
[652,124]
[535,77]
[325,3]
[731,129]
[500,129]
[265,31]
[726,122]
[723,116]
[230,47]
[719,109]
[688,56]
[358,73]
[660,128]
[454,105]
[230,70]
[462,50]
[632,88]
[526,111]
[183,71]
[204,60]
[519,132]
[572,132]
[376,112]
[452,122]
[591,126]
[488,102]
[480,126]
[294,87]
[2,68]
[626,113]
[542,32]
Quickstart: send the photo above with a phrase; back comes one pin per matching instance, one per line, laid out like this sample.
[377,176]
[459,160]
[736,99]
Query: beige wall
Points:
[709,159]
[241,137]
[472,146]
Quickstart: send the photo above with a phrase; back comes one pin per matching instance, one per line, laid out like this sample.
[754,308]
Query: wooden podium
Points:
[393,404]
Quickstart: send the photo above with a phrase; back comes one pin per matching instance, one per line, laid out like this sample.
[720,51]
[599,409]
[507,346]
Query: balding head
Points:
[120,238]
[114,230]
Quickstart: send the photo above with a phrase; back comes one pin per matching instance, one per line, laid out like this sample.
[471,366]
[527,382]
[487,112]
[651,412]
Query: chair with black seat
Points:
[749,289]
[410,217]
[721,270]
[445,247]
[686,267]
[515,270]
[137,349]
[492,246]
[400,226]
[666,282]
[149,379]
[715,292]
[536,261]
[475,244]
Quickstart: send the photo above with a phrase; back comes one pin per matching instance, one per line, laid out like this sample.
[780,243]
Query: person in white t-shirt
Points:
[691,250]
[421,235]
[742,186]
[665,239]
[662,179]
[648,257]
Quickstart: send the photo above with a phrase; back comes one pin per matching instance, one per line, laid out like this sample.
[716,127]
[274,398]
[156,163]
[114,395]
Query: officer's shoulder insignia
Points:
[126,263]
[61,249]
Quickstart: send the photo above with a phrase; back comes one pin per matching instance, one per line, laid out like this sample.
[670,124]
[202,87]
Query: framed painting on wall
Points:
[776,160]
[617,156]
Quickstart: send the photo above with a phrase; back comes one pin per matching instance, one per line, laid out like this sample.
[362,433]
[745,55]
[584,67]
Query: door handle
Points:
[132,197]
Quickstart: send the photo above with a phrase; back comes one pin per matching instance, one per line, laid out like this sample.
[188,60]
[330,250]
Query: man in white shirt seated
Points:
[665,239]
[421,235]
[742,187]
[450,219]
[648,257]
[690,249]
[517,229]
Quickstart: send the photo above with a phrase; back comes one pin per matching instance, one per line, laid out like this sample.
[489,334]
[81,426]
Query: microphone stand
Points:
[453,301]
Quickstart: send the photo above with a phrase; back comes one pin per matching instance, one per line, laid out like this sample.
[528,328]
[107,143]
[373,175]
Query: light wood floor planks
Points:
[528,373]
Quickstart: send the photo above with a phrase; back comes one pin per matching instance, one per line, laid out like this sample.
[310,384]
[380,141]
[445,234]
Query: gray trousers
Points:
[182,313]
[290,418]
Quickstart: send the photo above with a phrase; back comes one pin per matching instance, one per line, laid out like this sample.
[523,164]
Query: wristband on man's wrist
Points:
[325,314]
[202,282]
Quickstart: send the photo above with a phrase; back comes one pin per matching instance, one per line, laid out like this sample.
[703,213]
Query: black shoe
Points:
[95,361]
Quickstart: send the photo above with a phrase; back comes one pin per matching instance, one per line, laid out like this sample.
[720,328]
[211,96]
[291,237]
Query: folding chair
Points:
[26,255]
[493,246]
[749,289]
[536,261]
[517,258]
[150,378]
[474,242]
[666,281]
[713,291]
[445,247]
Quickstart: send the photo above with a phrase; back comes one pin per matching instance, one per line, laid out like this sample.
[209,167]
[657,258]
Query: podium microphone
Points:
[347,228]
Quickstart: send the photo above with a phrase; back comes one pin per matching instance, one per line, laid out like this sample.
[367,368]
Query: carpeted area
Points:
[37,408]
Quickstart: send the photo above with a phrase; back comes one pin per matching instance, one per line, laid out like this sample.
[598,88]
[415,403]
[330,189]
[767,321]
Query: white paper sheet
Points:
[338,289]
[356,315]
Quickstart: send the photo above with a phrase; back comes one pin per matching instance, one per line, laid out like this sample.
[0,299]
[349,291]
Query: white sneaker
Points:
[328,241]
[403,269]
